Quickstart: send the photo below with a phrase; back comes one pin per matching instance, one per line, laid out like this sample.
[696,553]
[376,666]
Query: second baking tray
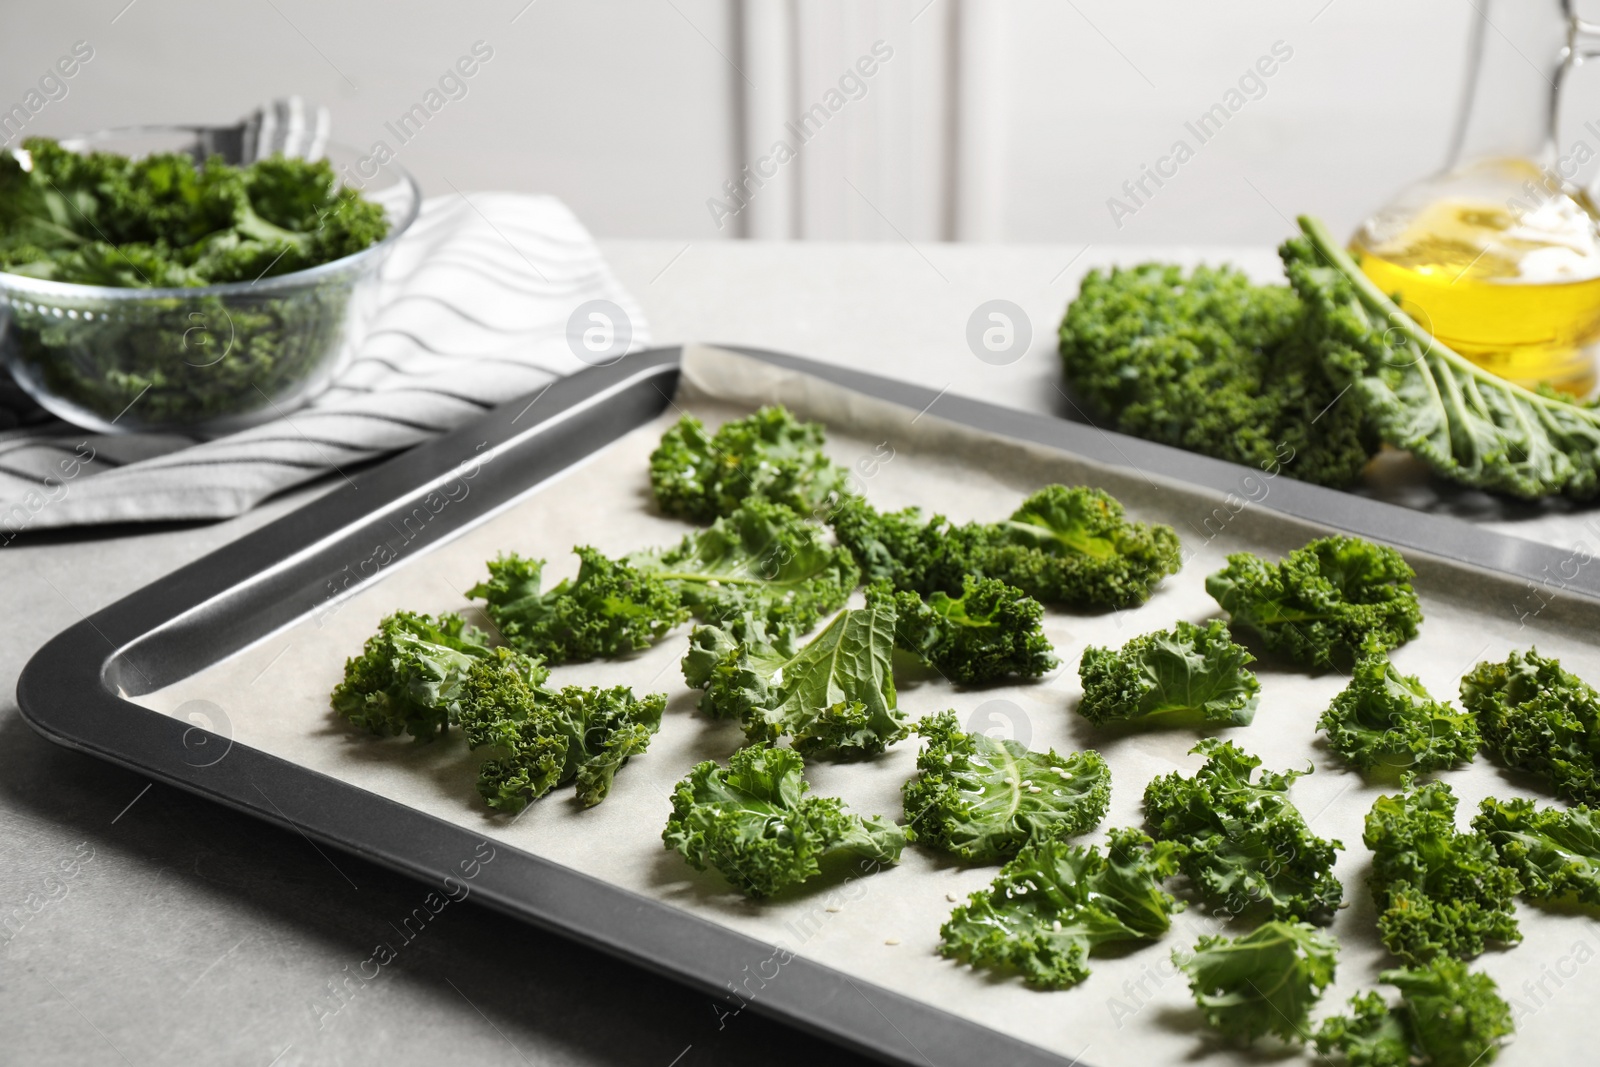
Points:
[215,679]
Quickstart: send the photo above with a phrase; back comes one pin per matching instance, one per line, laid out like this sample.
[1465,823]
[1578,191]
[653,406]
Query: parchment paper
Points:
[1134,1009]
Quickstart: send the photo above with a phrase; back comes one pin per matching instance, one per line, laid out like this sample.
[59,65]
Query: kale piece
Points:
[1555,851]
[409,676]
[982,798]
[1247,844]
[757,822]
[1053,904]
[991,631]
[1189,675]
[769,456]
[1447,1016]
[834,695]
[544,738]
[1438,891]
[1263,982]
[1537,717]
[762,560]
[609,610]
[1325,604]
[1385,719]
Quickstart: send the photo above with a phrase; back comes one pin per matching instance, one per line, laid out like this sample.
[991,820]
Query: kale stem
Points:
[1376,300]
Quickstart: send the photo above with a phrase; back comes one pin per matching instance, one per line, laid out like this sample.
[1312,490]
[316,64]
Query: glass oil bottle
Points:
[1499,256]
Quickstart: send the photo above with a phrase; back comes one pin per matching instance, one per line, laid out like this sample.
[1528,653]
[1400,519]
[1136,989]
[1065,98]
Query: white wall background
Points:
[1005,120]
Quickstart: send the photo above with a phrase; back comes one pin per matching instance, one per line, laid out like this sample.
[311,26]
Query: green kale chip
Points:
[1264,982]
[755,821]
[912,553]
[1447,1017]
[1467,423]
[1438,891]
[1325,603]
[1075,547]
[1247,845]
[1055,903]
[1185,676]
[1210,362]
[762,559]
[611,609]
[1539,718]
[1555,851]
[982,798]
[834,695]
[409,676]
[770,456]
[162,221]
[1069,546]
[1373,1034]
[544,738]
[991,631]
[1385,719]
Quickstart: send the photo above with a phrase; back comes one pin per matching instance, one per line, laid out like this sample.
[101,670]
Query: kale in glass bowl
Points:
[141,290]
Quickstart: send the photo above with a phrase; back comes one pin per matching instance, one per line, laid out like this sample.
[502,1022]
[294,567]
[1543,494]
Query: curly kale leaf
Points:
[104,219]
[1069,546]
[1555,852]
[1247,844]
[762,559]
[912,553]
[1264,982]
[769,456]
[1372,1035]
[544,738]
[1053,904]
[834,696]
[1539,718]
[756,822]
[409,676]
[991,631]
[1184,676]
[1075,547]
[1209,362]
[1325,603]
[611,609]
[1447,1017]
[1438,891]
[1385,719]
[1468,424]
[982,798]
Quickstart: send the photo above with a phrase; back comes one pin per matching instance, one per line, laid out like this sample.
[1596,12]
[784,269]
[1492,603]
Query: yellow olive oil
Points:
[1502,268]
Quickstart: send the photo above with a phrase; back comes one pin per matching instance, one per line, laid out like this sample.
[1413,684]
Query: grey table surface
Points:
[139,925]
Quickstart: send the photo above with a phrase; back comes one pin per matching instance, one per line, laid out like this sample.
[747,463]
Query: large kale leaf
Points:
[1468,424]
[1209,362]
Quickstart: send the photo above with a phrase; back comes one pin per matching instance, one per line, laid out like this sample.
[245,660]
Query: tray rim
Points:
[71,699]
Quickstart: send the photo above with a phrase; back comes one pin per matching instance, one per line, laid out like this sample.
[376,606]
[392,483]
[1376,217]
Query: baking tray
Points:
[80,690]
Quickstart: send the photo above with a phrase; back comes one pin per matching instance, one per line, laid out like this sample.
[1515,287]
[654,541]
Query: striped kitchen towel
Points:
[474,309]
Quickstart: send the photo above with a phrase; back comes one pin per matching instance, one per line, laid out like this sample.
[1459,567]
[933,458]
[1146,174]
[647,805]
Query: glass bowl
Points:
[201,361]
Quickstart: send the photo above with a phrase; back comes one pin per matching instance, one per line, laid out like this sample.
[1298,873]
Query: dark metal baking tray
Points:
[73,690]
